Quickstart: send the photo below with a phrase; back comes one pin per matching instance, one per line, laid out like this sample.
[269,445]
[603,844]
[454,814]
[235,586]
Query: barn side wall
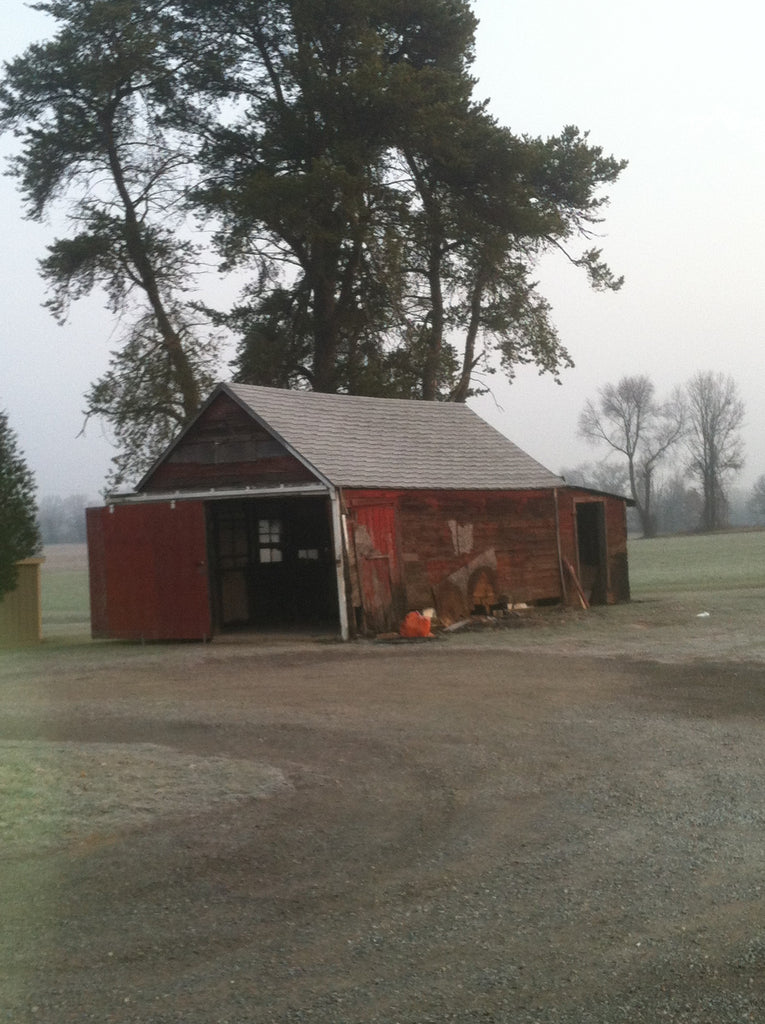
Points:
[455,550]
[615,516]
[404,550]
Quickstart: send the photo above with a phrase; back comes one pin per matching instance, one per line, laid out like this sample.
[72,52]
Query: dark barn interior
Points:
[271,563]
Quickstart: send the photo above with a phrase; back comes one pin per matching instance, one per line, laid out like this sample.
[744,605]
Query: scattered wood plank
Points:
[575,580]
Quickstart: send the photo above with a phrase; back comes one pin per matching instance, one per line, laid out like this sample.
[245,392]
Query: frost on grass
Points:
[54,794]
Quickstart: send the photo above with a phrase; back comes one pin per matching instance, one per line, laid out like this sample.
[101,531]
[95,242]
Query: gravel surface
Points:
[457,831]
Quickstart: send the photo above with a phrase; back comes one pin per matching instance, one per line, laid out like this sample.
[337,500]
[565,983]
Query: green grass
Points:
[705,562]
[65,599]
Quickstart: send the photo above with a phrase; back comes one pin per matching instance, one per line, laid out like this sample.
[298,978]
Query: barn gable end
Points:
[225,447]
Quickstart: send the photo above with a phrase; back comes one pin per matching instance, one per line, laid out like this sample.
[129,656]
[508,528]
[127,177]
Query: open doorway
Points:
[272,564]
[592,550]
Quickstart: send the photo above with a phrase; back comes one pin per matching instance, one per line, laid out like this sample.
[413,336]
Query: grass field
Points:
[65,598]
[705,562]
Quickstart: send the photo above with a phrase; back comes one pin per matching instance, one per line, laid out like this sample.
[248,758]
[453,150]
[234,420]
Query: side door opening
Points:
[592,550]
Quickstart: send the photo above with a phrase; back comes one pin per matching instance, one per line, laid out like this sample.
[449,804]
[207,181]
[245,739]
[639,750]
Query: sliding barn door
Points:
[148,572]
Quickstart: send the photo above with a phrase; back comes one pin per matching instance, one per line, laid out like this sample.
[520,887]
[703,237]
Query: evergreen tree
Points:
[102,115]
[391,226]
[19,533]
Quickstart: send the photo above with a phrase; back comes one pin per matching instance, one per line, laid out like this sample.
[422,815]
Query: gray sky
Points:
[674,86]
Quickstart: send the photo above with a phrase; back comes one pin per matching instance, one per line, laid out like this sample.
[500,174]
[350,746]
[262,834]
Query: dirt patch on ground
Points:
[498,827]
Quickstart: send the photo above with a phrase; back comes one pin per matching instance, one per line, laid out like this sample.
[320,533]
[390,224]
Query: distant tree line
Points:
[756,501]
[676,457]
[62,520]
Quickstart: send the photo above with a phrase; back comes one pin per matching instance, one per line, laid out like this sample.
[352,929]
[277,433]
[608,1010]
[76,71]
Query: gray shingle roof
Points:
[394,443]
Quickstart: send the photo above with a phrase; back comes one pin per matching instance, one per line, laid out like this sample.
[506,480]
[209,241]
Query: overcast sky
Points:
[674,86]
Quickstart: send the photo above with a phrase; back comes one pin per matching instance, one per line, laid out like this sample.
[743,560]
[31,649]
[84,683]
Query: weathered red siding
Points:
[148,572]
[616,537]
[226,448]
[377,558]
[458,549]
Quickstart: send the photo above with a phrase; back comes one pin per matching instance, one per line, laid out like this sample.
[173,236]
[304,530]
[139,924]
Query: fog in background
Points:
[674,87]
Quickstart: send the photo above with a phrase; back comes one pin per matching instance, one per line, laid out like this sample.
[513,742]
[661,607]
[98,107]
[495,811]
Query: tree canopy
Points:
[399,223]
[99,110]
[333,154]
[19,533]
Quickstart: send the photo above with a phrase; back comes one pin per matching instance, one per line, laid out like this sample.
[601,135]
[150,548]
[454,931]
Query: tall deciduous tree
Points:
[92,108]
[627,418]
[601,476]
[677,504]
[715,418]
[19,533]
[62,519]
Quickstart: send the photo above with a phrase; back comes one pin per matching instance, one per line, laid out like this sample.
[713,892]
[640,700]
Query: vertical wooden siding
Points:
[503,543]
[225,447]
[616,537]
[462,539]
[377,562]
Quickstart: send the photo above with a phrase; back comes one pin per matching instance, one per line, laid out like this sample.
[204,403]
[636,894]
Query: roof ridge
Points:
[341,396]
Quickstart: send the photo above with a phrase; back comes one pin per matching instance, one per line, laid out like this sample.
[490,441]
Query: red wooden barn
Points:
[277,509]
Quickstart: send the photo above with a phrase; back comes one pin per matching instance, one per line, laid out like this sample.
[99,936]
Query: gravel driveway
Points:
[454,831]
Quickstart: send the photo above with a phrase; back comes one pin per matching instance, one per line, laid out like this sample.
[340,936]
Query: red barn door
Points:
[148,572]
[379,566]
